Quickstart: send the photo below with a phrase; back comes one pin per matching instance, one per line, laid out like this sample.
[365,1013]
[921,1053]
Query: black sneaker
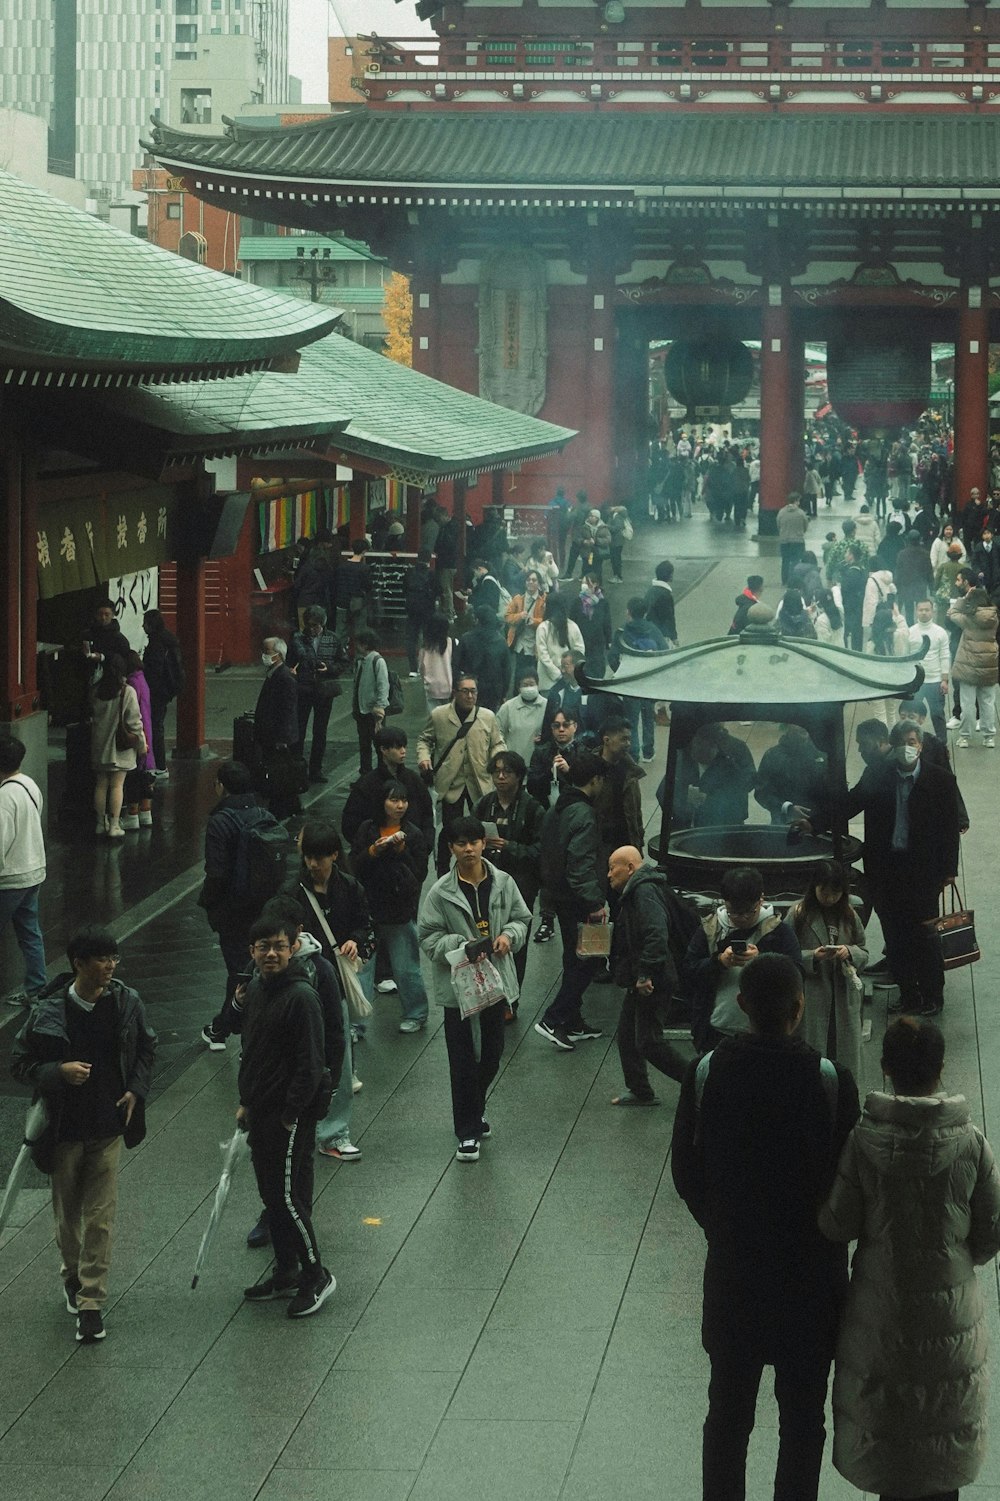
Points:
[546,932]
[71,1288]
[468,1150]
[216,1042]
[260,1235]
[557,1035]
[485,1131]
[89,1326]
[880,967]
[278,1285]
[582,1031]
[313,1298]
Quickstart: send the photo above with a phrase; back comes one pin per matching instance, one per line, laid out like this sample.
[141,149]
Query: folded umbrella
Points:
[233,1152]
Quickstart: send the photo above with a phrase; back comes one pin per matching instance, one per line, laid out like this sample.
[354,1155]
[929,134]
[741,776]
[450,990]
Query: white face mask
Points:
[530,693]
[906,756]
[267,659]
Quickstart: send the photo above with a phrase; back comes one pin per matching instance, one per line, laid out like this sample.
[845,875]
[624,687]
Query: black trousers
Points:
[913,951]
[319,708]
[566,1005]
[157,715]
[471,1077]
[640,1042]
[791,553]
[367,728]
[800,1381]
[283,1166]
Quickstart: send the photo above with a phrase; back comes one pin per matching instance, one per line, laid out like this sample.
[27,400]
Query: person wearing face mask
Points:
[936,663]
[519,719]
[715,775]
[524,615]
[975,666]
[832,940]
[911,853]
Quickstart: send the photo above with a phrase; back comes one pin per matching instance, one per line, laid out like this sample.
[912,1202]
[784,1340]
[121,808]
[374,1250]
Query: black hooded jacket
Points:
[283,1044]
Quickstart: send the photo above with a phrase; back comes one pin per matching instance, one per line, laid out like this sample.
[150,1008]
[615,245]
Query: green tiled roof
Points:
[647,149]
[421,428]
[79,296]
[287,247]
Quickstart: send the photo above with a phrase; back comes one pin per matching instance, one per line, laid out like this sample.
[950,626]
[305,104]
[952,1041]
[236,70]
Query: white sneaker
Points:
[115,830]
[101,827]
[386,987]
[356,1084]
[954,722]
[412,1026]
[962,743]
[130,820]
[989,742]
[145,818]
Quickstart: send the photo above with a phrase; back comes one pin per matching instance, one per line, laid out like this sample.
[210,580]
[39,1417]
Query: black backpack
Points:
[262,852]
[420,592]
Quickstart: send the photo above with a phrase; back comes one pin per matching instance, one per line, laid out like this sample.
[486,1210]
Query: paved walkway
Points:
[526,1329]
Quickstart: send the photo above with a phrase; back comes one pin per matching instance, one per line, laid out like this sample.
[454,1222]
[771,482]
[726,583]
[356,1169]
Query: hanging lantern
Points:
[709,376]
[878,383]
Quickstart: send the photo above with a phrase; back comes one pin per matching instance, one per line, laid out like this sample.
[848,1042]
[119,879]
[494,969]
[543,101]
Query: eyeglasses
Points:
[751,912]
[271,948]
[468,690]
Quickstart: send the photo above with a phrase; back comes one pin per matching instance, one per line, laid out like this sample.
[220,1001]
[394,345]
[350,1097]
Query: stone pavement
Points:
[523,1329]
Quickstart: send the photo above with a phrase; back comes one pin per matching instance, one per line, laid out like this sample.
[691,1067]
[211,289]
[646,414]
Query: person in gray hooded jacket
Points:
[918,1188]
[474,904]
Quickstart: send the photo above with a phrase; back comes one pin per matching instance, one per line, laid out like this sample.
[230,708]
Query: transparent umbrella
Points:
[233,1152]
[35,1122]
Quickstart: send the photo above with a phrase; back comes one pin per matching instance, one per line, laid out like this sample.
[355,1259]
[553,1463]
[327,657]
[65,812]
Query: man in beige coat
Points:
[455,745]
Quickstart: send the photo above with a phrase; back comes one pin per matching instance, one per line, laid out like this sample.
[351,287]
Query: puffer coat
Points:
[976,658]
[918,1188]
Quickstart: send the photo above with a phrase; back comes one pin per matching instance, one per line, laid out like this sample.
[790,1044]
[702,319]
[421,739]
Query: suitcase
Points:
[244,741]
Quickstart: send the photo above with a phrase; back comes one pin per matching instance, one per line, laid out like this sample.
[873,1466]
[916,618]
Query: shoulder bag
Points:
[359,1007]
[955,932]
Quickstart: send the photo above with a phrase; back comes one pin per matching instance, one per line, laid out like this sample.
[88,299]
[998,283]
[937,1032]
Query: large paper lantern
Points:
[708,375]
[878,381]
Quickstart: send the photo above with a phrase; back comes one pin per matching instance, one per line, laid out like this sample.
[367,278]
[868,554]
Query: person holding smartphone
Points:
[832,939]
[743,926]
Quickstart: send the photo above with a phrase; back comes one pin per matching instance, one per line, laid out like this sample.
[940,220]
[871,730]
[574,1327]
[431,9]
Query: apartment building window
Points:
[196,106]
[185,32]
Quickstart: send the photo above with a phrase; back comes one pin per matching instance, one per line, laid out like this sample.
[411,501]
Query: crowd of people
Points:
[526,798]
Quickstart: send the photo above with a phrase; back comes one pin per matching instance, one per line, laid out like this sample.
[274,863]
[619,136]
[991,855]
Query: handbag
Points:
[359,1007]
[593,939]
[126,739]
[955,932]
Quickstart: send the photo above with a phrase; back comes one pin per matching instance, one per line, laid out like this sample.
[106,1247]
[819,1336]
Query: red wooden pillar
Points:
[191,635]
[972,357]
[598,375]
[357,491]
[777,409]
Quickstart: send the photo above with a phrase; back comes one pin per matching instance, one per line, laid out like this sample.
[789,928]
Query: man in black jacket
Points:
[911,853]
[574,883]
[276,728]
[229,905]
[87,1051]
[641,961]
[482,653]
[280,1081]
[759,1128]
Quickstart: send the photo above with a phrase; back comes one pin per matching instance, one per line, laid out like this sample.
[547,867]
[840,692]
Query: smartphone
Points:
[739,945]
[478,949]
[492,832]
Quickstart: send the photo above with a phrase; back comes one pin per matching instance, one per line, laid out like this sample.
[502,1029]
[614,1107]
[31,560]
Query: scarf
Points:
[588,601]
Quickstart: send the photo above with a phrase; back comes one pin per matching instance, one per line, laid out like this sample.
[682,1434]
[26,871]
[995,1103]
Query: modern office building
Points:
[97,69]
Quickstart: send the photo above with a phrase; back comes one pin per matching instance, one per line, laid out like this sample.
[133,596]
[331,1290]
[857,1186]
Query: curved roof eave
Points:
[741,670]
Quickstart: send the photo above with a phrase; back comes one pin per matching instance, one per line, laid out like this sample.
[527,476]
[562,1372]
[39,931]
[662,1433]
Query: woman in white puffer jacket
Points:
[918,1188]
